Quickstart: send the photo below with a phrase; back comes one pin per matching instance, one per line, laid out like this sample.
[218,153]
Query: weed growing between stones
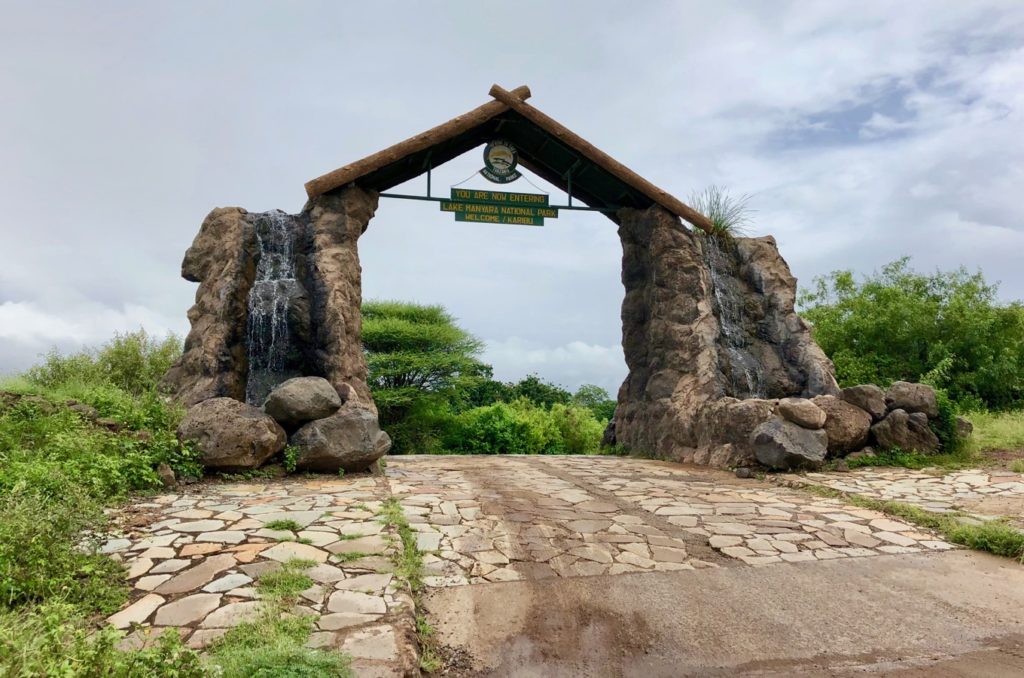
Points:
[349,557]
[409,568]
[962,457]
[274,644]
[285,525]
[286,583]
[993,536]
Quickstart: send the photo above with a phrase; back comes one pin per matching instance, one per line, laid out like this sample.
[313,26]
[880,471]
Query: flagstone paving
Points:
[490,519]
[195,564]
[981,492]
[194,558]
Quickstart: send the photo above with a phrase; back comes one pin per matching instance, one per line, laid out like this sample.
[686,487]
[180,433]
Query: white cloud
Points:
[569,365]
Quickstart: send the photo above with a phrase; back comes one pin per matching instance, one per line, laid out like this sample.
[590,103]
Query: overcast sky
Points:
[864,131]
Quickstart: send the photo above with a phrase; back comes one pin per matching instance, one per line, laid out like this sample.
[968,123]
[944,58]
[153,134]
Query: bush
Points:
[521,427]
[133,362]
[54,640]
[42,556]
[947,327]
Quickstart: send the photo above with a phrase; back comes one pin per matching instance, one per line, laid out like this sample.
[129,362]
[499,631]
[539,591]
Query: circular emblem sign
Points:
[500,160]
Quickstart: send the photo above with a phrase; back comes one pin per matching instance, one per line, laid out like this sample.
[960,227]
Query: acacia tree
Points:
[947,328]
[414,350]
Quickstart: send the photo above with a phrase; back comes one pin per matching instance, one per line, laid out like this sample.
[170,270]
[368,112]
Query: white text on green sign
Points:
[498,209]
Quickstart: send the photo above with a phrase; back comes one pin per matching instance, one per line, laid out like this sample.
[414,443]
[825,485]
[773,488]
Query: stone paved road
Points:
[981,492]
[195,556]
[195,563]
[490,519]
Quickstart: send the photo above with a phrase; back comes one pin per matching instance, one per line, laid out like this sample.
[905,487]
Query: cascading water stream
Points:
[746,372]
[268,335]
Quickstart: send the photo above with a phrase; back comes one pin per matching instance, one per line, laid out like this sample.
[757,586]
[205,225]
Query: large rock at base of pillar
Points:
[302,399]
[906,431]
[847,426]
[903,395]
[351,440]
[231,435]
[782,444]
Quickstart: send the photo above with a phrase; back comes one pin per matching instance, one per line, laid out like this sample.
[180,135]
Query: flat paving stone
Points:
[186,610]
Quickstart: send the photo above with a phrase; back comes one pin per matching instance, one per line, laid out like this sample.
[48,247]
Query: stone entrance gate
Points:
[710,335]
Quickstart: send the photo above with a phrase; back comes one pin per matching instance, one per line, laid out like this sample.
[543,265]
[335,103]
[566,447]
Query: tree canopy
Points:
[947,328]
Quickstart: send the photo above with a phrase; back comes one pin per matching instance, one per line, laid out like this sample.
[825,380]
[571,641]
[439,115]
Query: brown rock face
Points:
[802,412]
[906,431]
[847,426]
[302,399]
[350,440]
[338,220]
[231,434]
[785,445]
[710,338]
[221,260]
[903,395]
[867,397]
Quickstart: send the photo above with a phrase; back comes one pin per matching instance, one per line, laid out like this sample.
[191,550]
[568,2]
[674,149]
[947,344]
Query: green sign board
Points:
[499,207]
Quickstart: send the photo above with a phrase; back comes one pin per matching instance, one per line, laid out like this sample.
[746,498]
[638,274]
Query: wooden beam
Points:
[600,158]
[420,142]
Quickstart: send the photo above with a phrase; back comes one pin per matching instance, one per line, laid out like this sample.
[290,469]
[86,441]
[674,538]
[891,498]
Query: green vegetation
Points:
[729,216]
[274,646]
[408,562]
[436,397]
[53,639]
[947,329]
[994,536]
[289,525]
[287,582]
[963,457]
[61,462]
[997,430]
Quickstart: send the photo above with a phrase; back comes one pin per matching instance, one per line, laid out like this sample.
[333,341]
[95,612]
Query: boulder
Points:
[903,395]
[230,434]
[907,431]
[350,439]
[867,397]
[302,399]
[784,445]
[802,412]
[847,426]
[964,427]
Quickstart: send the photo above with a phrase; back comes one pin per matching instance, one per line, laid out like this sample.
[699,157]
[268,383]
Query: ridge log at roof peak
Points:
[545,146]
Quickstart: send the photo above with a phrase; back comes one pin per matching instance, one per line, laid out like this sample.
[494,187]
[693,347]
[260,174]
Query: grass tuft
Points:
[286,583]
[729,216]
[289,525]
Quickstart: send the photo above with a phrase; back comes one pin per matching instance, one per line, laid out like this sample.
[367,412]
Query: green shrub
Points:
[521,427]
[43,557]
[133,362]
[53,640]
[897,324]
